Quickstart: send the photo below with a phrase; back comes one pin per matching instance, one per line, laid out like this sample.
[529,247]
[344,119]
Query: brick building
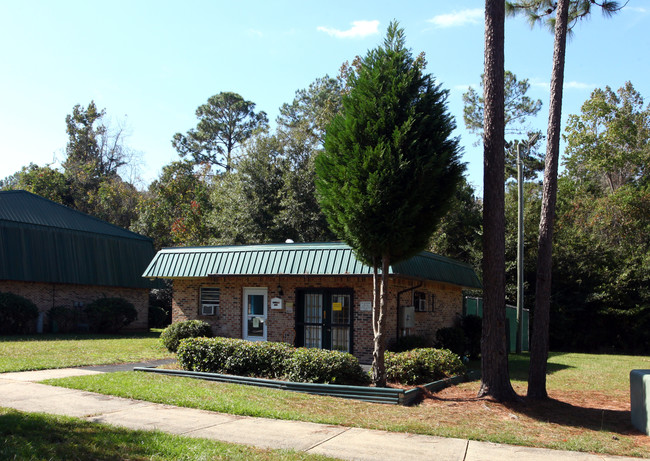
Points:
[314,295]
[56,256]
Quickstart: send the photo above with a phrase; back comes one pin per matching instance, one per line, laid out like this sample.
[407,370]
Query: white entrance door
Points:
[255,312]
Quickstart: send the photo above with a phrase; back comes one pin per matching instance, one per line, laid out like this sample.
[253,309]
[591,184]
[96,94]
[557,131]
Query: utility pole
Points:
[520,238]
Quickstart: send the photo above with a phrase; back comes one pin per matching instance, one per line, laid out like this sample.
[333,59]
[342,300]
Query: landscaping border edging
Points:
[366,394]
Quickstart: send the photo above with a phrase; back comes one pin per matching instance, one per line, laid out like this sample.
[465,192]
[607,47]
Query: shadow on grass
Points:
[565,414]
[77,336]
[34,436]
[518,365]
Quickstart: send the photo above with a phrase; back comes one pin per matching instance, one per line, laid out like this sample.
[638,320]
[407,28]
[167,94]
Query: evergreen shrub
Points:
[17,314]
[110,315]
[472,326]
[62,319]
[269,360]
[420,366]
[172,335]
[323,366]
[452,338]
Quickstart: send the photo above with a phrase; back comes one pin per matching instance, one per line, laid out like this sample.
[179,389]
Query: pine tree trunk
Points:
[495,381]
[380,298]
[539,339]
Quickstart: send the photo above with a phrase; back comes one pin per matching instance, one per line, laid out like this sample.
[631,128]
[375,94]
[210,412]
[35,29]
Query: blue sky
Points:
[150,64]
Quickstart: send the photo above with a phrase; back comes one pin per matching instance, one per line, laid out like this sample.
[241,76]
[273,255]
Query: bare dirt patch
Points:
[566,416]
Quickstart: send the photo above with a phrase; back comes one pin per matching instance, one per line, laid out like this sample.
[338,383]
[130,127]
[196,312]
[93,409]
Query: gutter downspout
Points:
[399,293]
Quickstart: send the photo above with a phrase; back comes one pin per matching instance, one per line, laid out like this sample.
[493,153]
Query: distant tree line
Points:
[237,181]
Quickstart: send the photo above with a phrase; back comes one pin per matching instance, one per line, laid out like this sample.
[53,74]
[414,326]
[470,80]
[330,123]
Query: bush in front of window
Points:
[420,366]
[269,360]
[17,314]
[452,338]
[110,315]
[472,326]
[174,333]
[62,319]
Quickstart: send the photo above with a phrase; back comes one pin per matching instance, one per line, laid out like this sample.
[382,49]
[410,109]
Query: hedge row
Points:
[18,315]
[269,360]
[419,366]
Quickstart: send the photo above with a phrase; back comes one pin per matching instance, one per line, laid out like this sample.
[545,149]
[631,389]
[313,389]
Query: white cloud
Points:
[458,18]
[254,33]
[474,86]
[636,9]
[580,85]
[358,29]
[536,83]
[572,85]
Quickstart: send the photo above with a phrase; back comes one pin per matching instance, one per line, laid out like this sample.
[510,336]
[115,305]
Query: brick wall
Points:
[227,321]
[48,295]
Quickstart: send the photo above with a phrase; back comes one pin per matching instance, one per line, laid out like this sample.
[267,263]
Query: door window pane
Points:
[255,304]
[313,308]
[341,339]
[256,327]
[313,336]
[341,309]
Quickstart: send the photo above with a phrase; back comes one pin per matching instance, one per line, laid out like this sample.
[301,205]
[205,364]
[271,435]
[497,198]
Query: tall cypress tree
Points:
[390,166]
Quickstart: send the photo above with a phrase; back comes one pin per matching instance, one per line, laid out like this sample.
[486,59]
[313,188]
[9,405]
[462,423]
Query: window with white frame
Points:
[210,297]
[422,302]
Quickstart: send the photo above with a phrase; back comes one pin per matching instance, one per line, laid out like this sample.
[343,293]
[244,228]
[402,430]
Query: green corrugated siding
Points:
[297,259]
[42,254]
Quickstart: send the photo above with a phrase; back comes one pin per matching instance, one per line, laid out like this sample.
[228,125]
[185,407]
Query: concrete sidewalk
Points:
[20,391]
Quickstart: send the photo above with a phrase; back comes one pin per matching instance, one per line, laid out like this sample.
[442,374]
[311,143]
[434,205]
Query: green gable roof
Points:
[43,241]
[298,259]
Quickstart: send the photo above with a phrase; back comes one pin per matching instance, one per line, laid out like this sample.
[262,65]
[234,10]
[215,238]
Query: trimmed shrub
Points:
[262,359]
[324,366]
[62,319]
[17,314]
[160,307]
[452,338]
[420,366]
[472,326]
[172,335]
[269,360]
[157,317]
[110,315]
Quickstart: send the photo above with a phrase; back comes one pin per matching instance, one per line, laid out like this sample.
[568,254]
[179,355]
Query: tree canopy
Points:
[390,165]
[225,122]
[517,109]
[608,144]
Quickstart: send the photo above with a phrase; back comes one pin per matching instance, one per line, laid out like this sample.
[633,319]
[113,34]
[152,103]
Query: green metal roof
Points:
[19,206]
[43,241]
[297,259]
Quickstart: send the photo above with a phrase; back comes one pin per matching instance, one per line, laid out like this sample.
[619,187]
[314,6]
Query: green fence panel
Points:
[474,306]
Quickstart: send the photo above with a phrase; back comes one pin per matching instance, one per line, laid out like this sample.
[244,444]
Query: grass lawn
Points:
[589,408]
[38,436]
[39,352]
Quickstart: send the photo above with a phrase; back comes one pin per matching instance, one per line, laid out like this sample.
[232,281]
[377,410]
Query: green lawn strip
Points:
[483,423]
[39,436]
[39,352]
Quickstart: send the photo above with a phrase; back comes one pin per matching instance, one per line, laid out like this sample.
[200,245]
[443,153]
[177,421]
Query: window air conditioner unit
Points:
[208,309]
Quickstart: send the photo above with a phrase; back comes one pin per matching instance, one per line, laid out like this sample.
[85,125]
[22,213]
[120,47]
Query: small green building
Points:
[57,256]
